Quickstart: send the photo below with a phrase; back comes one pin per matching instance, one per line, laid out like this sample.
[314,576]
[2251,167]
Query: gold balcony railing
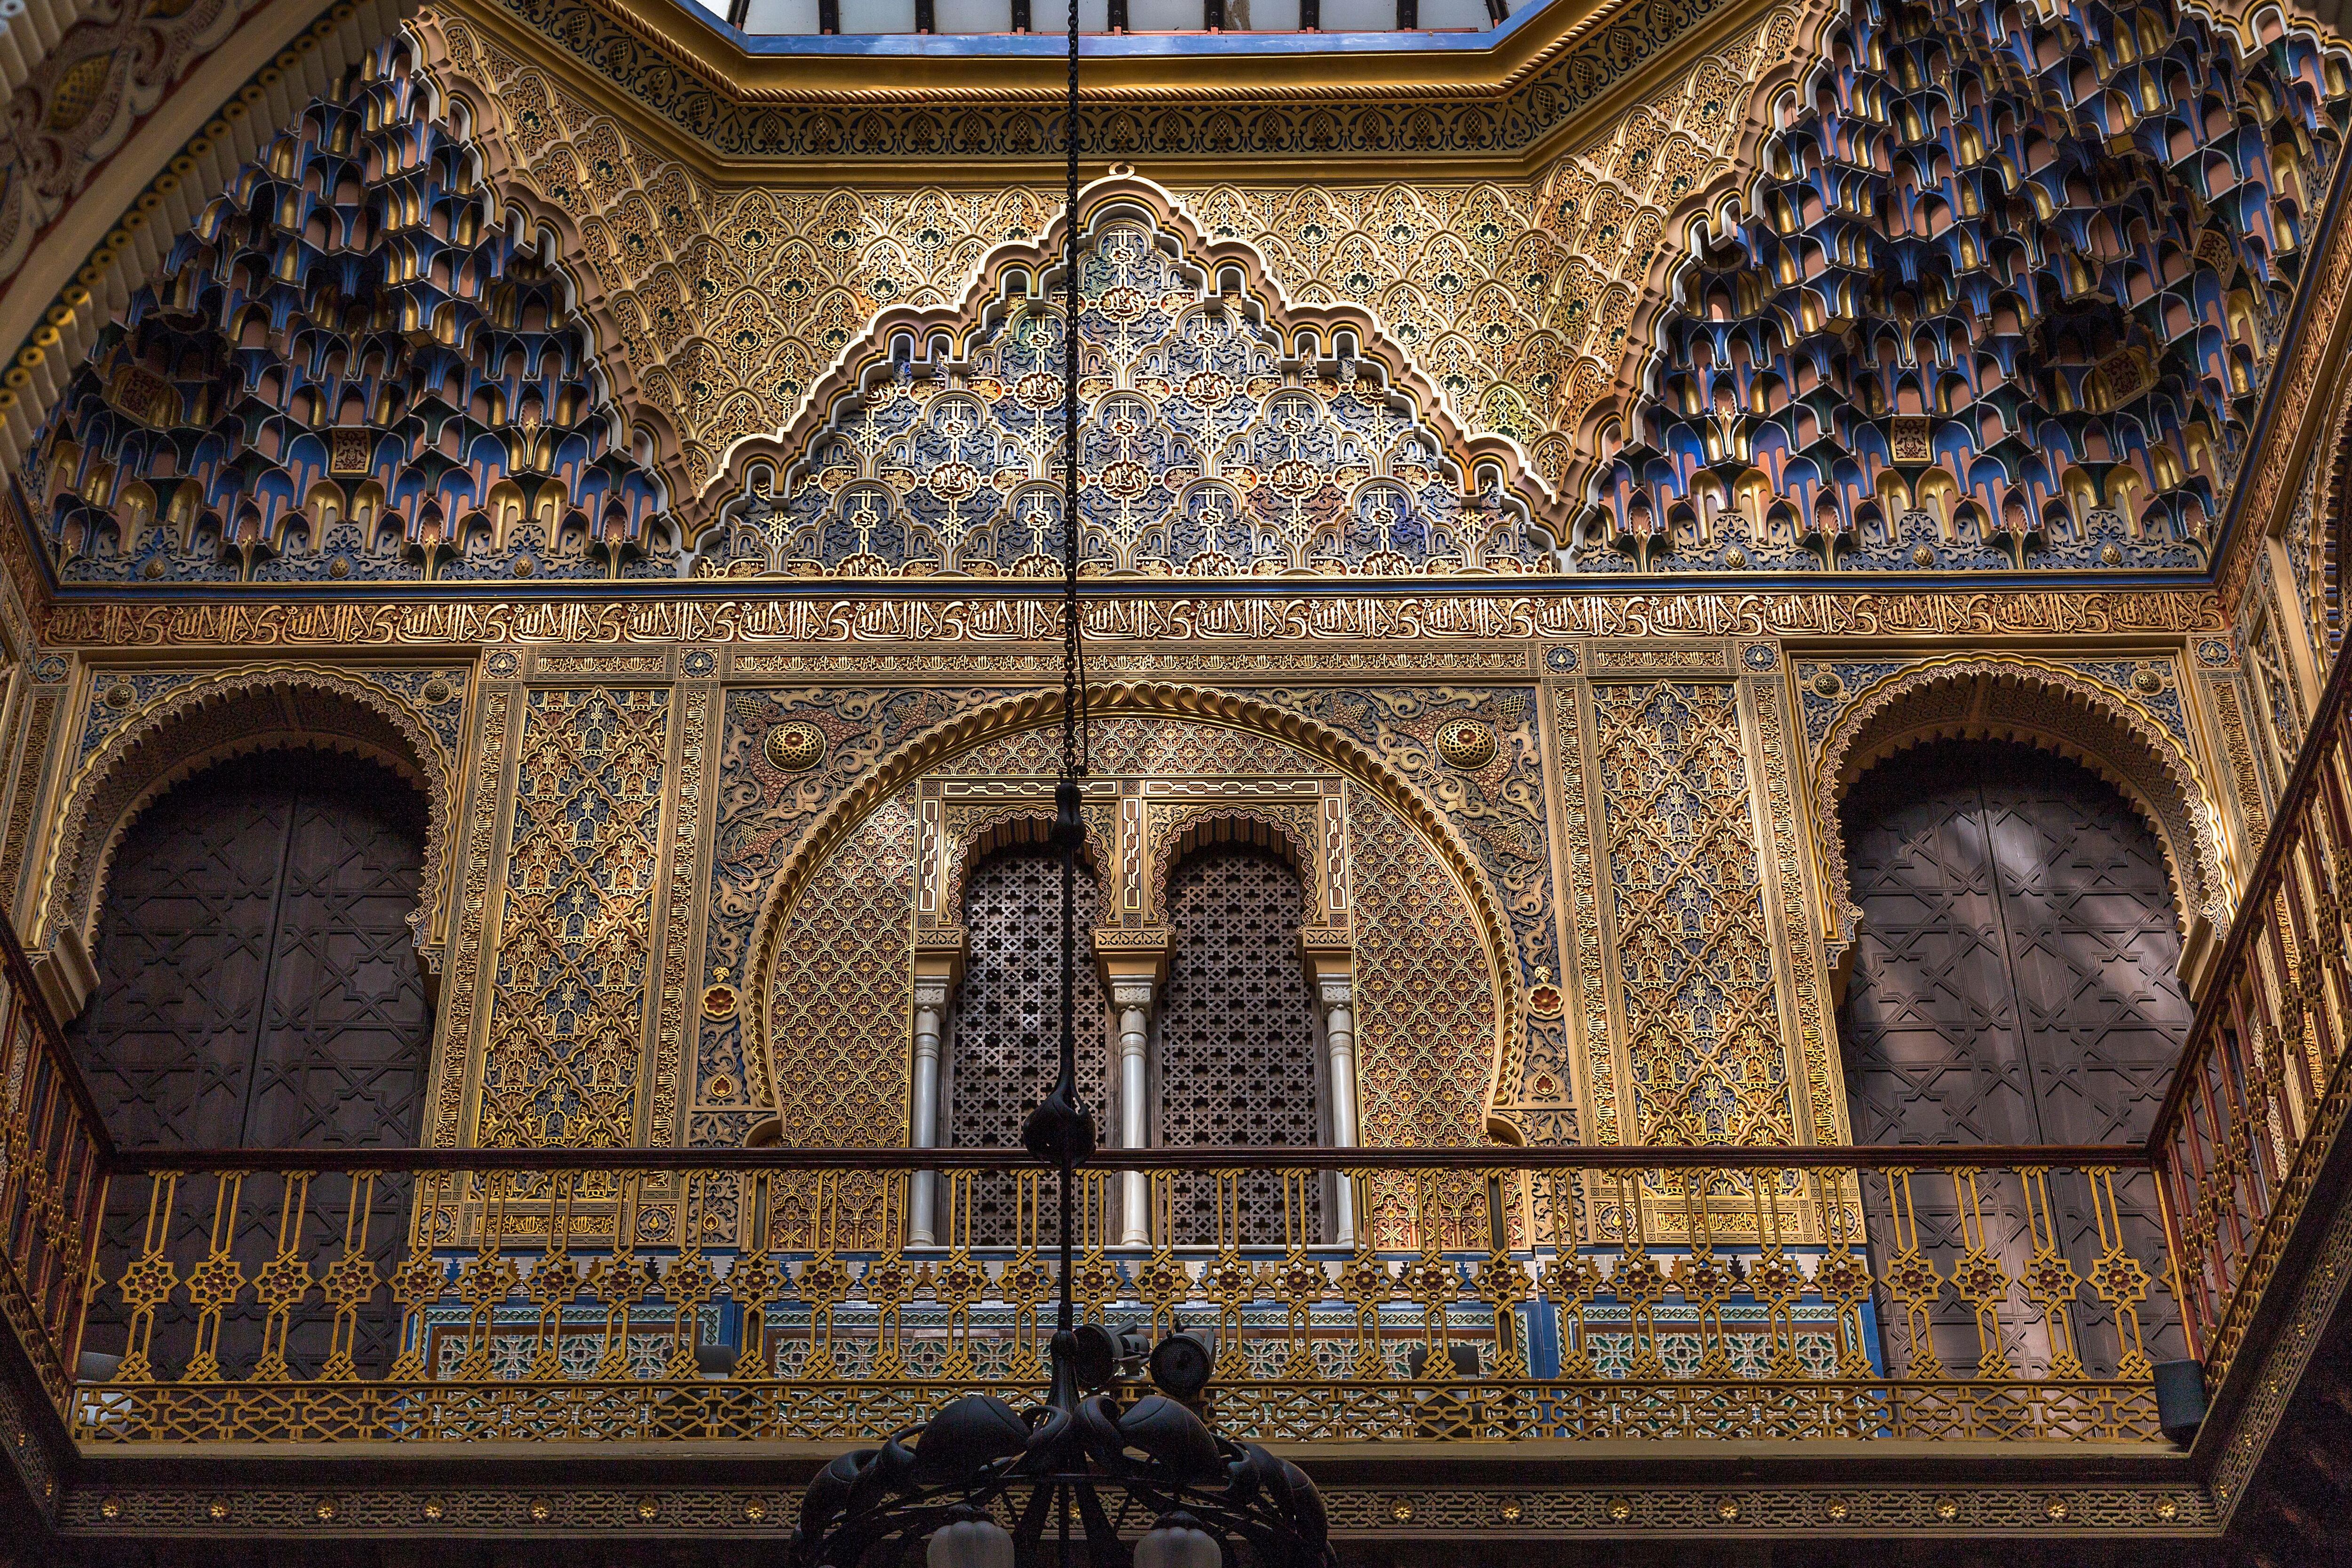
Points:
[2261,1091]
[1449,1296]
[54,1155]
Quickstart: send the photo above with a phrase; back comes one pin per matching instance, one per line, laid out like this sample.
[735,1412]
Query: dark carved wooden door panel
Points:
[344,1045]
[2013,983]
[1236,1057]
[257,982]
[1933,1049]
[258,987]
[2094,945]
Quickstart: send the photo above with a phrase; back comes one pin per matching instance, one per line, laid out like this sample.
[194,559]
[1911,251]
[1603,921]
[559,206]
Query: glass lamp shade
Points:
[973,1543]
[1177,1541]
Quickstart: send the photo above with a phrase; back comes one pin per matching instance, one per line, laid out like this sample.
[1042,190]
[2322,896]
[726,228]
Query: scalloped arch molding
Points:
[222,714]
[2040,704]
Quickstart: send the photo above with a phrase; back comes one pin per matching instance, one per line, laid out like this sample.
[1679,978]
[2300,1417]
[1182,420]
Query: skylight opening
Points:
[812,18]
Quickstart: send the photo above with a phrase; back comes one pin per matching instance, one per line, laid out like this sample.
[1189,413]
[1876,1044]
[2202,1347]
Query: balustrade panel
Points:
[1496,1296]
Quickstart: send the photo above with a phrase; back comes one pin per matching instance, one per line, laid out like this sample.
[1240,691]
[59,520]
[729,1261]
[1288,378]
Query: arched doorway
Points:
[2014,976]
[258,986]
[2014,983]
[257,978]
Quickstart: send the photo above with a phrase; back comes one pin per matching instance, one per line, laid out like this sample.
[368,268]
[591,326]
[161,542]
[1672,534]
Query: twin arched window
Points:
[1231,1056]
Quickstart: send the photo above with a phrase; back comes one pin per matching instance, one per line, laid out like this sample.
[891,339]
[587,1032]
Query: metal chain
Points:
[1073,691]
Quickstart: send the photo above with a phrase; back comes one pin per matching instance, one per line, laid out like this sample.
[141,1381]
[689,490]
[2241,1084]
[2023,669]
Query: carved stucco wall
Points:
[1697,984]
[872,672]
[144,148]
[1585,881]
[1518,297]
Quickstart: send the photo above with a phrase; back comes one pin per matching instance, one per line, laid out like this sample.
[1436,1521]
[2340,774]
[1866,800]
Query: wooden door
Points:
[259,987]
[258,983]
[2014,981]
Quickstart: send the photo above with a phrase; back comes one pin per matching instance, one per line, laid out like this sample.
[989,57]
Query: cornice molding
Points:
[999,614]
[933,70]
[1480,112]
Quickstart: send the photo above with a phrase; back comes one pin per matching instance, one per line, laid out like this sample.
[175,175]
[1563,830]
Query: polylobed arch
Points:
[894,775]
[1028,823]
[2046,706]
[220,715]
[1236,824]
[757,465]
[160,166]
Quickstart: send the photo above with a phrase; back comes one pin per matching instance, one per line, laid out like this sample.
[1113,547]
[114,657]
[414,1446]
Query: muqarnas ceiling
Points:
[2004,298]
[348,372]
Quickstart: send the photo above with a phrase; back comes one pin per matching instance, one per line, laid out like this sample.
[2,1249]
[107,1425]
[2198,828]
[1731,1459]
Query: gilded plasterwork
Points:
[1426,996]
[1518,299]
[1498,807]
[2123,717]
[1703,1048]
[1587,993]
[1428,1037]
[563,1062]
[761,813]
[998,617]
[143,730]
[454,1043]
[1218,437]
[841,998]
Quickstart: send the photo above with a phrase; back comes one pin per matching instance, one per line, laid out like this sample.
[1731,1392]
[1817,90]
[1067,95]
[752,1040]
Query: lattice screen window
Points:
[1236,1052]
[1005,1035]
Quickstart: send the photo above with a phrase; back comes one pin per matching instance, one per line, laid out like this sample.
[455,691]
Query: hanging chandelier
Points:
[982,1485]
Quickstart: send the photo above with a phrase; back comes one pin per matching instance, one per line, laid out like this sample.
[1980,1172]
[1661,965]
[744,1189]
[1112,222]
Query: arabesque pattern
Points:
[1211,444]
[1425,993]
[2006,297]
[1694,961]
[840,1012]
[574,933]
[1515,297]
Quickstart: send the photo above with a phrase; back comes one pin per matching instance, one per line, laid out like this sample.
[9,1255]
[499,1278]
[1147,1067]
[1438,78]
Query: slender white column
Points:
[922,1206]
[1133,1000]
[1339,1044]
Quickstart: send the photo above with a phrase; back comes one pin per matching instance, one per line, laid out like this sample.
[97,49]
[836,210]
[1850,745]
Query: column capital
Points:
[1130,956]
[931,990]
[1137,992]
[939,955]
[1330,958]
